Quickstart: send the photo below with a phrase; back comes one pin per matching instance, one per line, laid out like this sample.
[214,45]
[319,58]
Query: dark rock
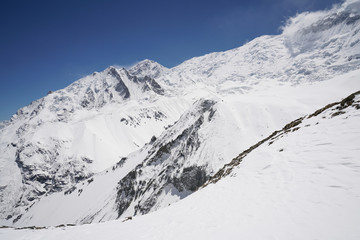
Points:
[123,120]
[166,161]
[190,179]
[17,218]
[121,162]
[89,99]
[153,85]
[126,192]
[69,191]
[153,139]
[87,160]
[120,87]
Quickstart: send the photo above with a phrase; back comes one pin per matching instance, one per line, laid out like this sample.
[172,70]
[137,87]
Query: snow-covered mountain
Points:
[126,142]
[75,132]
[300,182]
[312,47]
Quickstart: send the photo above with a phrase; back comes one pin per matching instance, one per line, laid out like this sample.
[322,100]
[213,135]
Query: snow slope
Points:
[302,182]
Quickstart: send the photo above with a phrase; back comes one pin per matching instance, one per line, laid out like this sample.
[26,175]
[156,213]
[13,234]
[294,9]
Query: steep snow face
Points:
[302,182]
[326,39]
[233,71]
[313,47]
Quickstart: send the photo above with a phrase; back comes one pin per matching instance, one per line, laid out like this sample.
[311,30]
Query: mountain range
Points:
[264,136]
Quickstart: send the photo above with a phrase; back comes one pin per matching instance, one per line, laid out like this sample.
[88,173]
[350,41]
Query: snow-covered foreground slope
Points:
[302,182]
[166,131]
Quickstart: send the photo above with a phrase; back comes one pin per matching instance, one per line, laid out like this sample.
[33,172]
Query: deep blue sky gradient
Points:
[46,45]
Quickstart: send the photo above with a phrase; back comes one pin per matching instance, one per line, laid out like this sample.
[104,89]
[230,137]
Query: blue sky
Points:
[46,45]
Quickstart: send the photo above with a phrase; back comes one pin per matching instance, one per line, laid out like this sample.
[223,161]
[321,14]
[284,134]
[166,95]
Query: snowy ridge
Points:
[91,92]
[332,110]
[312,47]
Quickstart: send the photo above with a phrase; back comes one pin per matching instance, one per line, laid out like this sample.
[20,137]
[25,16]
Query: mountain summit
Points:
[147,68]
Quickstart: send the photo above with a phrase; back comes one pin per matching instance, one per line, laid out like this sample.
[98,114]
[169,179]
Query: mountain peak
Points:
[113,68]
[147,61]
[148,68]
